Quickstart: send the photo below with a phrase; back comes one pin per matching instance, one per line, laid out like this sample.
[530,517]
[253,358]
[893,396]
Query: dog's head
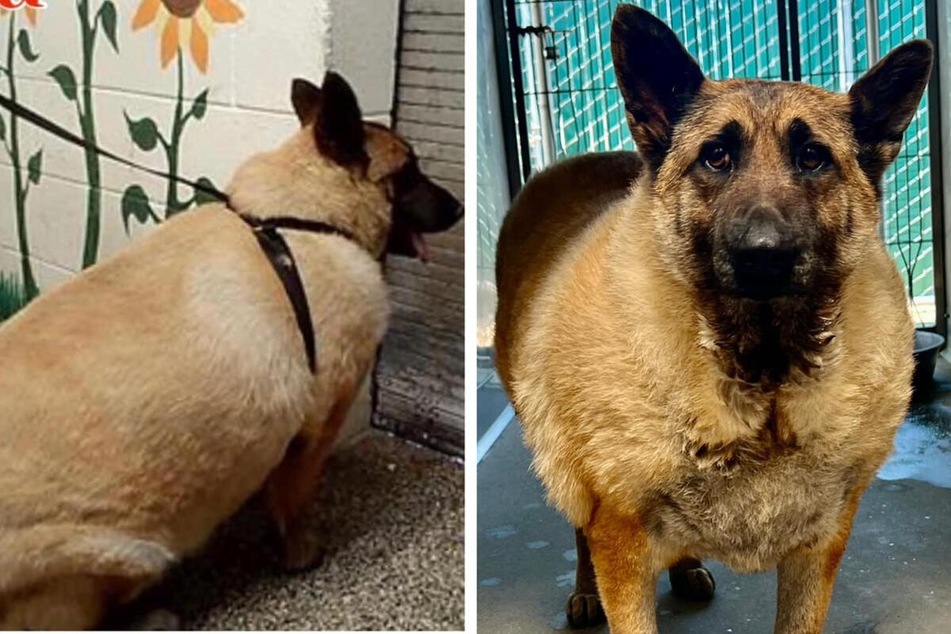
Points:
[761,190]
[375,158]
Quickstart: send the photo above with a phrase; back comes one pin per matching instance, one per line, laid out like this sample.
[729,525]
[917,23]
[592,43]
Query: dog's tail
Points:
[31,555]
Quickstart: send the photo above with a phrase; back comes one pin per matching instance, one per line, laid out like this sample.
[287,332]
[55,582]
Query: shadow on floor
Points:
[392,515]
[893,580]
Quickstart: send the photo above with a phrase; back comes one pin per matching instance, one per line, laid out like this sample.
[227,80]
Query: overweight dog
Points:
[706,342]
[144,401]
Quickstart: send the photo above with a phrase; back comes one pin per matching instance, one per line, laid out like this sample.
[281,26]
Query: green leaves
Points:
[144,132]
[35,167]
[200,106]
[63,75]
[135,204]
[26,48]
[203,197]
[107,18]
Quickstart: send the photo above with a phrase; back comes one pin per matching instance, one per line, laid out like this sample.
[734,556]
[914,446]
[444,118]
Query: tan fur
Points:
[605,349]
[149,397]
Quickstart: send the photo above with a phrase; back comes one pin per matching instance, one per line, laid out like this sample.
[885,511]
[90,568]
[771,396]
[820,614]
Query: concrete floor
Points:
[392,516]
[893,580]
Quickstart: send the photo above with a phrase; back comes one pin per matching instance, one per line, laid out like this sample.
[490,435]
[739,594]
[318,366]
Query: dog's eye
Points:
[716,157]
[812,158]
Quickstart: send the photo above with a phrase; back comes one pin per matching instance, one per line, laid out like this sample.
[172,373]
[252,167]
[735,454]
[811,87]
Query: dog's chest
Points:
[754,515]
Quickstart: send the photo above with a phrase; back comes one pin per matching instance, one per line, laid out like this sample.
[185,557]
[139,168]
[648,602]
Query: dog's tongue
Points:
[422,248]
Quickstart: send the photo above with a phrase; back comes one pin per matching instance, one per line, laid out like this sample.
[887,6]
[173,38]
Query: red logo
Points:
[13,5]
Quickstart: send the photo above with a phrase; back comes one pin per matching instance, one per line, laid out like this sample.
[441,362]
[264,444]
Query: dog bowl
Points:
[927,345]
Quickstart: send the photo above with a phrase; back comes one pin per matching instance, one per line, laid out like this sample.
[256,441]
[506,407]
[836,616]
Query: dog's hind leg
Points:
[64,576]
[292,488]
[690,579]
[64,603]
[584,605]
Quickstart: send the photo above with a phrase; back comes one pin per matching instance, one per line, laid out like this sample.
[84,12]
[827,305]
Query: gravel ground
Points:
[392,518]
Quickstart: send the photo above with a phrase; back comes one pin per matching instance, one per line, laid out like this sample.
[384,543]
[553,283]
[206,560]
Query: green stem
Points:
[173,205]
[29,282]
[87,122]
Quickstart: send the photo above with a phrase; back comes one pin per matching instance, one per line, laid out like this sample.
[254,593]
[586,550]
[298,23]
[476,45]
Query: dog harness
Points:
[281,258]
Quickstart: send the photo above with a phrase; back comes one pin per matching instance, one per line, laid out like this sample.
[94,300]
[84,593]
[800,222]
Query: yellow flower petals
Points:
[224,11]
[170,41]
[146,14]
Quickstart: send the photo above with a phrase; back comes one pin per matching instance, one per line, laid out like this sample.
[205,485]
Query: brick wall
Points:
[420,376]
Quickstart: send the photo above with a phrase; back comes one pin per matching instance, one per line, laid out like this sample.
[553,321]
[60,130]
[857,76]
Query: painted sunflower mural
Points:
[92,25]
[186,21]
[180,23]
[185,29]
[29,11]
[15,293]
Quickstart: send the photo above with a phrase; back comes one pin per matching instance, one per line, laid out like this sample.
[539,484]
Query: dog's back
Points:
[180,333]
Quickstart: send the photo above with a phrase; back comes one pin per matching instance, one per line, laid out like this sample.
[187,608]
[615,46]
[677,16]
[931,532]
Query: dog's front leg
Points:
[292,488]
[627,568]
[807,576]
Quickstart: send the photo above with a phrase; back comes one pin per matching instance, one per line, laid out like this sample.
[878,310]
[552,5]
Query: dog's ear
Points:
[338,127]
[657,77]
[883,102]
[306,98]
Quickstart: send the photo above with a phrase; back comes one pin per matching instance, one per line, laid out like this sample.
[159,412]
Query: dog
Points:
[145,400]
[706,342]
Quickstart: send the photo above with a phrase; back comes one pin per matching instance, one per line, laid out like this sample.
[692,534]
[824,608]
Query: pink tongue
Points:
[422,248]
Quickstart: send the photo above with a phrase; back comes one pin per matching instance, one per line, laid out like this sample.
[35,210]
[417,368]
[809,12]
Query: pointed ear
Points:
[338,129]
[657,77]
[883,102]
[305,96]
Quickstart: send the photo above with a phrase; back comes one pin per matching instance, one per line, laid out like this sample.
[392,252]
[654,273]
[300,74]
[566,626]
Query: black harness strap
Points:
[281,258]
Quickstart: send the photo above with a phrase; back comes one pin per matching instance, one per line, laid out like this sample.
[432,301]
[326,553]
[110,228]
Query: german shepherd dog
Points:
[707,344]
[144,401]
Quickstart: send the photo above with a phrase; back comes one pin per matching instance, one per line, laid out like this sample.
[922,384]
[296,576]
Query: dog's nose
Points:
[763,254]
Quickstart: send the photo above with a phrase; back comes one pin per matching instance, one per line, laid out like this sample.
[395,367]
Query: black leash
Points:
[265,229]
[57,130]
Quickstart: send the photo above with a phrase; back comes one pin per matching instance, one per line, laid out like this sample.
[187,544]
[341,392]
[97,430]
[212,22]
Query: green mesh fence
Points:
[573,106]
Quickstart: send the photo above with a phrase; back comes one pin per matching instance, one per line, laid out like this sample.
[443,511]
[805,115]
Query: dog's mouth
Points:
[408,242]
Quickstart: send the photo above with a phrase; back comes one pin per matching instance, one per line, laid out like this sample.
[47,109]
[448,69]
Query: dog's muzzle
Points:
[763,253]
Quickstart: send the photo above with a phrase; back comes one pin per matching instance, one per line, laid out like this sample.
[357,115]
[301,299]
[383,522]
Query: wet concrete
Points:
[893,580]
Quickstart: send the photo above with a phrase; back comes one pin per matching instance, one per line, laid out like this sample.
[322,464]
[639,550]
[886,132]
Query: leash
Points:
[265,229]
[59,131]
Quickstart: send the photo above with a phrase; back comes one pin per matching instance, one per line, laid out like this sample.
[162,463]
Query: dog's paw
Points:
[584,610]
[302,550]
[694,583]
[156,621]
